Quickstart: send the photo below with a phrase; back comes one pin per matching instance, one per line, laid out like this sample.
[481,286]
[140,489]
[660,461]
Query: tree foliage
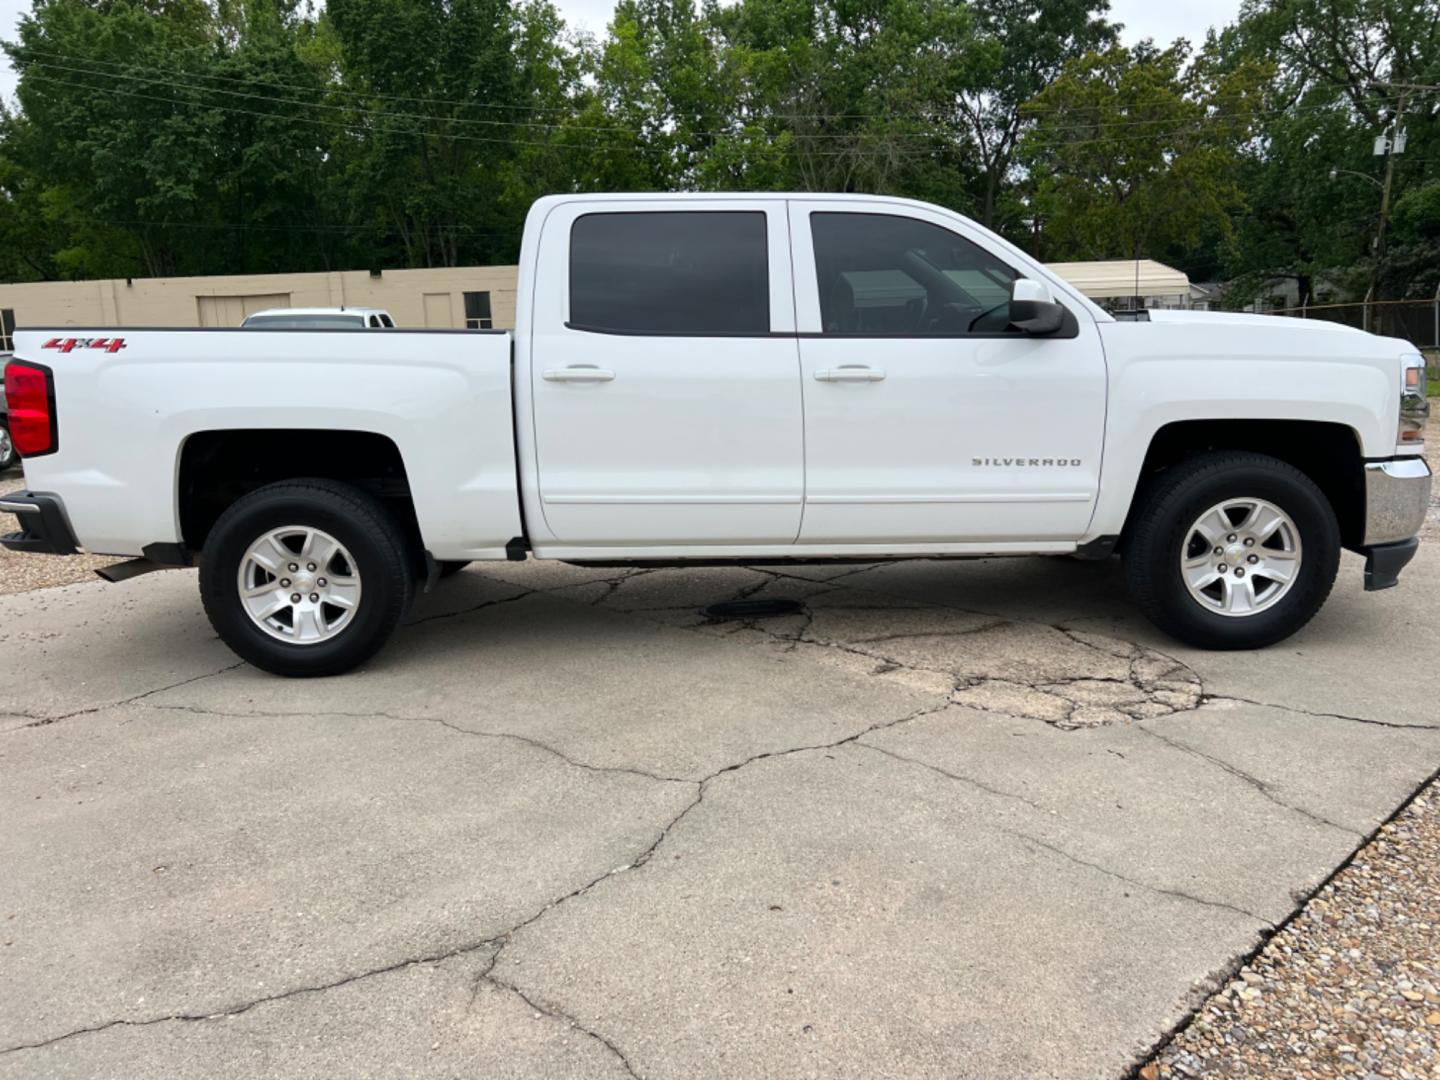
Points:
[211,136]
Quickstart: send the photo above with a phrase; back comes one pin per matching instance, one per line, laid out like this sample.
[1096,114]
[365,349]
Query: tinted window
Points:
[691,272]
[305,322]
[887,275]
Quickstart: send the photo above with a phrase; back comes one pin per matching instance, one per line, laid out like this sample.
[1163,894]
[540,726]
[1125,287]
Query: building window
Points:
[7,330]
[477,311]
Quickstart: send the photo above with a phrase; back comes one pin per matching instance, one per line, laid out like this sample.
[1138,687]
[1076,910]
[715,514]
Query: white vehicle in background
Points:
[9,456]
[320,318]
[746,378]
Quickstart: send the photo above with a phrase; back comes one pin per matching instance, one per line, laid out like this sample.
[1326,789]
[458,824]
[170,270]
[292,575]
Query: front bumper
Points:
[44,529]
[1397,498]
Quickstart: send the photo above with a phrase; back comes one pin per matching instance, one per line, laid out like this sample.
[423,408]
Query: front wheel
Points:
[306,577]
[1232,551]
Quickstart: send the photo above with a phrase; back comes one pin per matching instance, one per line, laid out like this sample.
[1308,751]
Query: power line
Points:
[336,89]
[359,126]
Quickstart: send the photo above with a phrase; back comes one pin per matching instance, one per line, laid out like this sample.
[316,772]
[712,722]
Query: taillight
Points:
[30,392]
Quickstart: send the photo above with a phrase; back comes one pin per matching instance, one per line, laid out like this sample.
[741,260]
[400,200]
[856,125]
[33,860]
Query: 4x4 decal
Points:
[65,345]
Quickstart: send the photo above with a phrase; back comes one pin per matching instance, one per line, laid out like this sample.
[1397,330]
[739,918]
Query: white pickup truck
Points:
[750,378]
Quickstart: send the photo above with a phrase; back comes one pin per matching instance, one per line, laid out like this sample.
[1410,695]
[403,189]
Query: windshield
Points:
[304,322]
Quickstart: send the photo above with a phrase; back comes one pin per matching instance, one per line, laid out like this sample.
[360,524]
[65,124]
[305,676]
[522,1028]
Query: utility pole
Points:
[1391,144]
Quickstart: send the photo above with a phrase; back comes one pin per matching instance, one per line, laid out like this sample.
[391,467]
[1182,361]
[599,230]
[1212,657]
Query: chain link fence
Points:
[1417,321]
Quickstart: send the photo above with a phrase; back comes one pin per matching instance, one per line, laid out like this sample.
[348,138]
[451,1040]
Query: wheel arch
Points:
[216,467]
[1327,452]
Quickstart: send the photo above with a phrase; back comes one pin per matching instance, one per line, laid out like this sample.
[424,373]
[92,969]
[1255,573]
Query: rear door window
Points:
[695,273]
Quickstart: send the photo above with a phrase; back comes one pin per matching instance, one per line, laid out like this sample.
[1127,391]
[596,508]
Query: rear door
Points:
[927,419]
[665,374]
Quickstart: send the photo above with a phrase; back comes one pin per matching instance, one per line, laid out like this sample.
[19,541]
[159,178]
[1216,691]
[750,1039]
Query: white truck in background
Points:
[749,378]
[319,318]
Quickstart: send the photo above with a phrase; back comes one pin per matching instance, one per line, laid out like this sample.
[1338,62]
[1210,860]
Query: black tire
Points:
[9,456]
[1178,497]
[359,522]
[450,569]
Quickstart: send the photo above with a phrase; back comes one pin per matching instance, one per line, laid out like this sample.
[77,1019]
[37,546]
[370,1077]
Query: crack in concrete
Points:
[1206,699]
[37,720]
[469,610]
[1255,782]
[968,780]
[556,1013]
[1178,894]
[245,1006]
[260,714]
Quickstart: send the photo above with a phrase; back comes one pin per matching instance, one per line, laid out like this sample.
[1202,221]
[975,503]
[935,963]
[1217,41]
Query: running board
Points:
[131,568]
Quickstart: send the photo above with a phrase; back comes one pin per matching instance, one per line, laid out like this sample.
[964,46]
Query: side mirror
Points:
[1033,309]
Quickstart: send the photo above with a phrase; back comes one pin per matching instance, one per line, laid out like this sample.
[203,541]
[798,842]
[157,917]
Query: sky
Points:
[1163,20]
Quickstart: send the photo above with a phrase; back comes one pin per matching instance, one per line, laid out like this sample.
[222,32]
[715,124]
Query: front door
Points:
[665,374]
[927,420]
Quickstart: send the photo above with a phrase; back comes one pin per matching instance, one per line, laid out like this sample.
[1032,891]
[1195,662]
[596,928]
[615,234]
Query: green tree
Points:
[1133,153]
[1021,47]
[1330,96]
[431,88]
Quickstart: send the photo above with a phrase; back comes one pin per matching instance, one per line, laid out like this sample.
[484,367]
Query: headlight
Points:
[1414,406]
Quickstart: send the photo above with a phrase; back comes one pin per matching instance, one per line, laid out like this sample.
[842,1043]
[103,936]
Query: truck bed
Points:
[130,400]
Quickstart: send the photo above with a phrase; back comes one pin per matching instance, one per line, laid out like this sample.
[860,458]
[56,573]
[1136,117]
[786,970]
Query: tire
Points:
[450,569]
[371,583]
[1167,556]
[9,456]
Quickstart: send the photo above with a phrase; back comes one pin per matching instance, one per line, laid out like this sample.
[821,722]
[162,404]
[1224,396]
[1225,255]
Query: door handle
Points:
[579,373]
[850,373]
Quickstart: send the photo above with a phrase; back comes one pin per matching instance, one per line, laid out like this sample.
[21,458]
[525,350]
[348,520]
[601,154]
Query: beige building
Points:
[480,297]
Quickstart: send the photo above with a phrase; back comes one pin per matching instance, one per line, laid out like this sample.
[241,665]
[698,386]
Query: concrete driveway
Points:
[955,819]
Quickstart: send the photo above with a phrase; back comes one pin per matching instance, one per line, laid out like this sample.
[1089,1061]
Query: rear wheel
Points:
[1233,551]
[306,577]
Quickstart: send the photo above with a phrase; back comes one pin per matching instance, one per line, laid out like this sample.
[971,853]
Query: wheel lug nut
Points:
[285,584]
[1231,538]
[1219,551]
[294,567]
[1249,541]
[310,566]
[1221,568]
[1239,571]
[314,597]
[295,598]
[1253,559]
[321,583]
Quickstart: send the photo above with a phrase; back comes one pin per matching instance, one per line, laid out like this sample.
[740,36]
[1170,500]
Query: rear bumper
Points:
[44,529]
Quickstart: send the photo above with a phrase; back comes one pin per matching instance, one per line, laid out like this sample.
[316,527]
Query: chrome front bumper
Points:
[1397,498]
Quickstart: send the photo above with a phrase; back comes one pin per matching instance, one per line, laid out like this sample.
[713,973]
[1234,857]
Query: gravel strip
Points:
[1351,987]
[21,573]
